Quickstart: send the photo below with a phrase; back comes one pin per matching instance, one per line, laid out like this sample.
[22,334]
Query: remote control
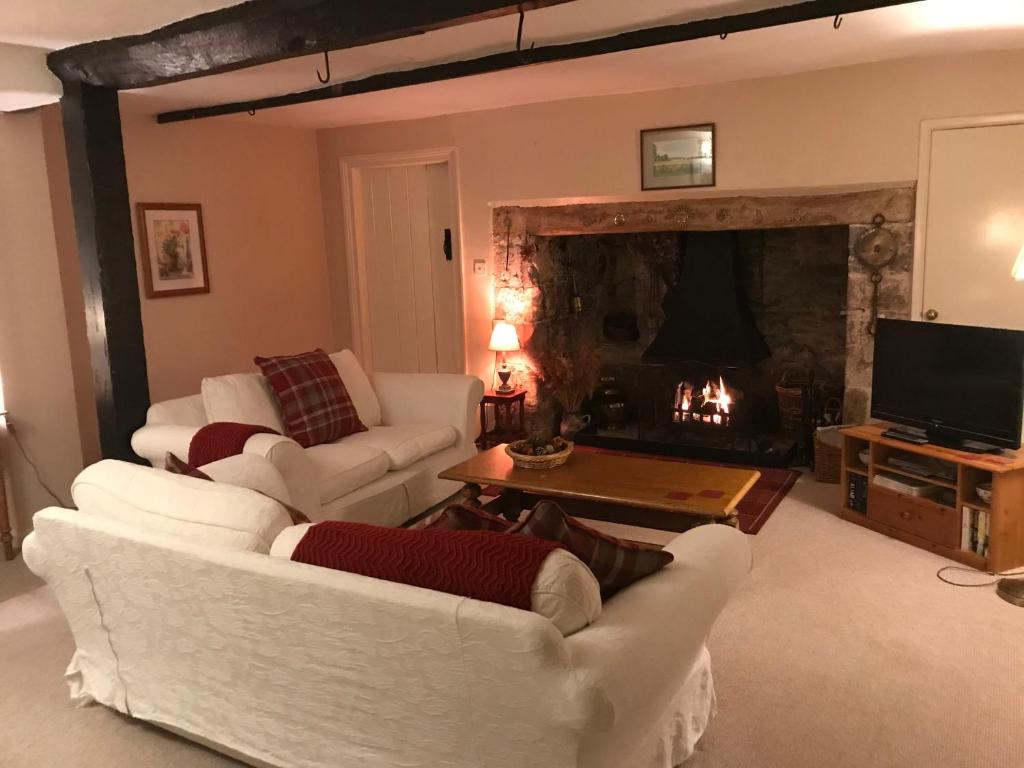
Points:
[906,437]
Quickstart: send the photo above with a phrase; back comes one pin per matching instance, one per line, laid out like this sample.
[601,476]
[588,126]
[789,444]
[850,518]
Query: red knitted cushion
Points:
[479,564]
[615,563]
[221,439]
[315,406]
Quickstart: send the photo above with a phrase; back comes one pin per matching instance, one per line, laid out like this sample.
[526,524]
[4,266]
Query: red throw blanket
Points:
[221,439]
[482,565]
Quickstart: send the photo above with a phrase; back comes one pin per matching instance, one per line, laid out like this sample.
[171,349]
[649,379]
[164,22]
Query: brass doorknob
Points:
[931,314]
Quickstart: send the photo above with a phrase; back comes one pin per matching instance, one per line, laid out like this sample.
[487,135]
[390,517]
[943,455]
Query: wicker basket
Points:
[792,396]
[548,461]
[828,454]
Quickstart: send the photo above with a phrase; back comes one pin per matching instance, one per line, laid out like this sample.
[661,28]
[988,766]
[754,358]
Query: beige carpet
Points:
[842,649]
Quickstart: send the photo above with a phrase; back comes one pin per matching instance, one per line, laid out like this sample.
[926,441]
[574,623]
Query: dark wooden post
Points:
[103,224]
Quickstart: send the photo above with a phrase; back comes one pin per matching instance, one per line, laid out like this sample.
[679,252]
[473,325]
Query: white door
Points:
[974,230]
[408,260]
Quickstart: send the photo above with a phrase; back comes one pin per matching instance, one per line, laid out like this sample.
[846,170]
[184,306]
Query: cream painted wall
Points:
[71,281]
[260,191]
[35,354]
[842,127]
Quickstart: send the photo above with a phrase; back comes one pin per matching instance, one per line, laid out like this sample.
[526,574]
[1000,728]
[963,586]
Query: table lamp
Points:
[504,339]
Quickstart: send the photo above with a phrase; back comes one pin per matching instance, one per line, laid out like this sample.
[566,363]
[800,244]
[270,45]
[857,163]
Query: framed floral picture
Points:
[673,158]
[173,249]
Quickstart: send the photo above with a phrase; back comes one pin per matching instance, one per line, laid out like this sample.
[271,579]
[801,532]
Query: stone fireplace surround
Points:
[518,231]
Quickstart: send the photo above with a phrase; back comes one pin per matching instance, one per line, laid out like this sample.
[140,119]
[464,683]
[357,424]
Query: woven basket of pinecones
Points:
[539,454]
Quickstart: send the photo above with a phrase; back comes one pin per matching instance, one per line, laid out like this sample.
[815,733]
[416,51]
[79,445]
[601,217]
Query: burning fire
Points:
[711,405]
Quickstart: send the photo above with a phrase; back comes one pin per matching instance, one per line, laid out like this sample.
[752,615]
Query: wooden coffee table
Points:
[646,492]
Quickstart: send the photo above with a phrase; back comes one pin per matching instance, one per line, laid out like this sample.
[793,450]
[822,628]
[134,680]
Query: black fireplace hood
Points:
[707,316]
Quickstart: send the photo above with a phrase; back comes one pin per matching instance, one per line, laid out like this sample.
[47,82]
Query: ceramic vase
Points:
[573,423]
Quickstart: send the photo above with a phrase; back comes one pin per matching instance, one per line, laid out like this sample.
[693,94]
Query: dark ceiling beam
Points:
[263,31]
[626,41]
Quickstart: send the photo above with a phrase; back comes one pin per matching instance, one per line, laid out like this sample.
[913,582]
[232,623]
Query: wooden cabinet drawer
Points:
[920,517]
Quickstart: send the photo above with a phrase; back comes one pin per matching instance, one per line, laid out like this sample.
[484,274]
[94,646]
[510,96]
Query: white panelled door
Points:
[409,269]
[974,230]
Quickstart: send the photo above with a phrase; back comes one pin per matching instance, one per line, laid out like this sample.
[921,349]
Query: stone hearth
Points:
[795,264]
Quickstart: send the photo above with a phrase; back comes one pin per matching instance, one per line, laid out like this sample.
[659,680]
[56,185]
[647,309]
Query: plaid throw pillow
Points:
[176,466]
[462,517]
[615,563]
[315,406]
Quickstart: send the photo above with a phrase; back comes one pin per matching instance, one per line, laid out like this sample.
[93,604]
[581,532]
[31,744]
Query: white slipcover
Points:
[342,467]
[293,665]
[216,514]
[244,398]
[183,411]
[426,408]
[406,444]
[248,471]
[359,388]
[566,592]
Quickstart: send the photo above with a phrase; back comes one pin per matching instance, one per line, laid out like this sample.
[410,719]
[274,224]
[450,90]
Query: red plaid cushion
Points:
[315,406]
[615,563]
[462,517]
[176,466]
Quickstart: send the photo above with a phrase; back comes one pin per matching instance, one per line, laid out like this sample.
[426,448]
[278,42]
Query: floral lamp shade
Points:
[504,339]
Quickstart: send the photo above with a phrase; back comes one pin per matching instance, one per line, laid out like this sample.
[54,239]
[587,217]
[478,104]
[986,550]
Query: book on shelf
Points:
[974,530]
[857,493]
[984,522]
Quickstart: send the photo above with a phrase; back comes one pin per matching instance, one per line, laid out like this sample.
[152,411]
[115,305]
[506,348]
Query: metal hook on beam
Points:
[837,22]
[252,111]
[724,35]
[519,38]
[327,62]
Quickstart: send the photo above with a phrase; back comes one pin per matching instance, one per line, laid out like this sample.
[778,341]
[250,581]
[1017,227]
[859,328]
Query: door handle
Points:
[931,314]
[447,246]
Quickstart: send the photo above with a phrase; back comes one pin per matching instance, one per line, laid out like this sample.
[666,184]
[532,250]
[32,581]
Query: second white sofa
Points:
[182,619]
[418,425]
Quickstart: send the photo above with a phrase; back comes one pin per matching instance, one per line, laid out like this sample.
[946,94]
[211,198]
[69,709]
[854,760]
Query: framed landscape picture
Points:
[683,156]
[173,249]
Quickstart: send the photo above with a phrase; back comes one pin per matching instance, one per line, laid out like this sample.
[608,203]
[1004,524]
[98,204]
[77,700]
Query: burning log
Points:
[712,405]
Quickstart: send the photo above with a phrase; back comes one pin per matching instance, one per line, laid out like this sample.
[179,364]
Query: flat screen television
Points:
[957,383]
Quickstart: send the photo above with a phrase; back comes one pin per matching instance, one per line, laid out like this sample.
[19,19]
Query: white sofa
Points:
[181,619]
[419,425]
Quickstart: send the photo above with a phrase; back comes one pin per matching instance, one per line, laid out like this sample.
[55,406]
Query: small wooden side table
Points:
[508,418]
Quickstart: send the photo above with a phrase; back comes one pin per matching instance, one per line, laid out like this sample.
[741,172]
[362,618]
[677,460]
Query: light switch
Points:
[479,267]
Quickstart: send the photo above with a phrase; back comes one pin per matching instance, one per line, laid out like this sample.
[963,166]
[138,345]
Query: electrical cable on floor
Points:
[35,469]
[997,575]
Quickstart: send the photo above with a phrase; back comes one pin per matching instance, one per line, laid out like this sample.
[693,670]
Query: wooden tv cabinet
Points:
[932,523]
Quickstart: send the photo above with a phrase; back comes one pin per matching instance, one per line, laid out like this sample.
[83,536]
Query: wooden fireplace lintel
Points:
[896,204]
